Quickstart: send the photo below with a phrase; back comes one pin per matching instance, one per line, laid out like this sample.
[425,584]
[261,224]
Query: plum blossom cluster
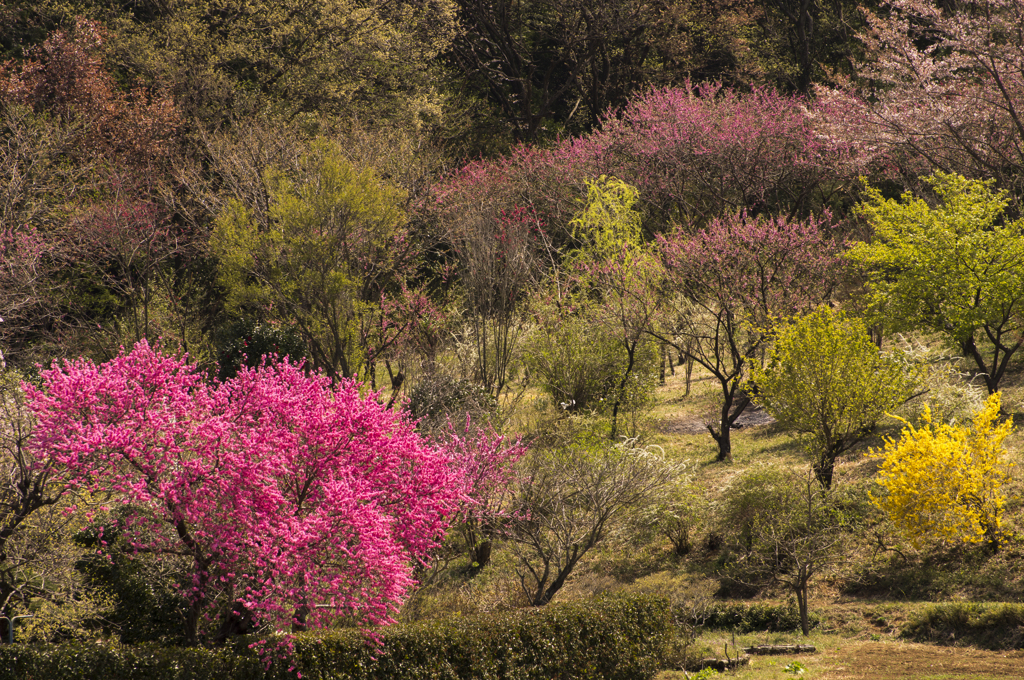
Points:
[295,499]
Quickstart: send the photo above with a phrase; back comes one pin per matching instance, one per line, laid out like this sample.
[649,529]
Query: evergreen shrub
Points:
[616,638]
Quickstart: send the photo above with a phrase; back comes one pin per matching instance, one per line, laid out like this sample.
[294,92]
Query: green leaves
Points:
[956,268]
[335,242]
[827,380]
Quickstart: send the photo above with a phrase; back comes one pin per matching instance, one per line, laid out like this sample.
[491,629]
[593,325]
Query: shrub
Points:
[438,398]
[613,638]
[580,366]
[992,626]
[752,618]
[945,481]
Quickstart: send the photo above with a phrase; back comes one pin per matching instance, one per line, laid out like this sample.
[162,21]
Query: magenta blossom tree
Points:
[291,499]
[485,460]
[730,283]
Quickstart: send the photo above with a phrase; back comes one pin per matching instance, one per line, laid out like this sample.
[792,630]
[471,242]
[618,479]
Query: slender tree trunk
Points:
[801,599]
[631,352]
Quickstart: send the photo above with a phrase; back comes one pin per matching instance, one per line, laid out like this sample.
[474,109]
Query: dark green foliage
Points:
[146,608]
[753,618]
[247,342]
[991,626]
[613,638]
[92,661]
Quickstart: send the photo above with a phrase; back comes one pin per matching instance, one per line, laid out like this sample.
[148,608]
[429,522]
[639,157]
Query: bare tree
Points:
[571,499]
[37,556]
[796,533]
[499,260]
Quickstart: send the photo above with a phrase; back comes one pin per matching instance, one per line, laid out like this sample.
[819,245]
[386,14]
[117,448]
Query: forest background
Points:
[536,214]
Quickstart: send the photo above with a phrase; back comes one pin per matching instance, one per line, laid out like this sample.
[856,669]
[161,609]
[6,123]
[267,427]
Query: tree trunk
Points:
[801,598]
[824,469]
[481,554]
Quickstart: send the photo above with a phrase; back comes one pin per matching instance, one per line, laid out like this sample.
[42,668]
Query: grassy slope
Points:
[863,602]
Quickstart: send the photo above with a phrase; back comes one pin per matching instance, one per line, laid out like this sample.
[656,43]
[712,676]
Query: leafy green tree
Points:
[827,380]
[945,481]
[333,255]
[334,57]
[956,268]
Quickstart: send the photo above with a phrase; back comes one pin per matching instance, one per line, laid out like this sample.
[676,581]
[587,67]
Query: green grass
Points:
[865,602]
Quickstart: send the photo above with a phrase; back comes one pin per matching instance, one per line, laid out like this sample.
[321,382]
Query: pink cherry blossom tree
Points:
[295,500]
[939,89]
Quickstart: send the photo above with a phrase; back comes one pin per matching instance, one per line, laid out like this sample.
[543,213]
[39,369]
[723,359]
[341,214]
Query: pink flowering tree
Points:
[693,152]
[698,152]
[939,88]
[292,500]
[485,461]
[730,283]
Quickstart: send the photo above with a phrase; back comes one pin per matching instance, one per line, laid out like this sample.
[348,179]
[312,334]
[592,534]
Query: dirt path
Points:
[751,417]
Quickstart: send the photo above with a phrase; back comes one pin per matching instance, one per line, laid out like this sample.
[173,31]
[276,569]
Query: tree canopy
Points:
[954,268]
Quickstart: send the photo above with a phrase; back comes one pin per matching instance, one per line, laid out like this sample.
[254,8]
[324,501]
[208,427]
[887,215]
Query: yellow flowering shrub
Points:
[944,482]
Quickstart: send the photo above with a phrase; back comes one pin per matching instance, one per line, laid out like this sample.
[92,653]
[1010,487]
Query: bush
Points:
[580,365]
[991,626]
[746,498]
[753,618]
[92,661]
[613,638]
[246,342]
[438,398]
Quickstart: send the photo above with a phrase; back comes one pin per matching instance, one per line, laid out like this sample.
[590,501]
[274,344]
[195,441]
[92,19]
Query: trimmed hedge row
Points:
[613,638]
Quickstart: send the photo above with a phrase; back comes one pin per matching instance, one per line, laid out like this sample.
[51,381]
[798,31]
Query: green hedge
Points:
[987,625]
[614,638]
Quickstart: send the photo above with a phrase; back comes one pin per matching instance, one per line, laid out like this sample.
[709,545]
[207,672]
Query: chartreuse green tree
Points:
[956,268]
[594,350]
[945,481]
[827,380]
[616,263]
[329,263]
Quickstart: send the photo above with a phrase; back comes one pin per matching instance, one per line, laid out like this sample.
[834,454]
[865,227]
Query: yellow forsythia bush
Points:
[944,482]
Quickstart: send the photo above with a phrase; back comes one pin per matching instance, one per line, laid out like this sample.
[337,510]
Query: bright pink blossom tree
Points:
[485,462]
[294,499]
[730,283]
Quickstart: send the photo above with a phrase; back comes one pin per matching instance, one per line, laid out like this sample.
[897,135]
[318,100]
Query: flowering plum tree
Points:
[484,460]
[294,500]
[940,88]
[696,152]
[730,283]
[692,152]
